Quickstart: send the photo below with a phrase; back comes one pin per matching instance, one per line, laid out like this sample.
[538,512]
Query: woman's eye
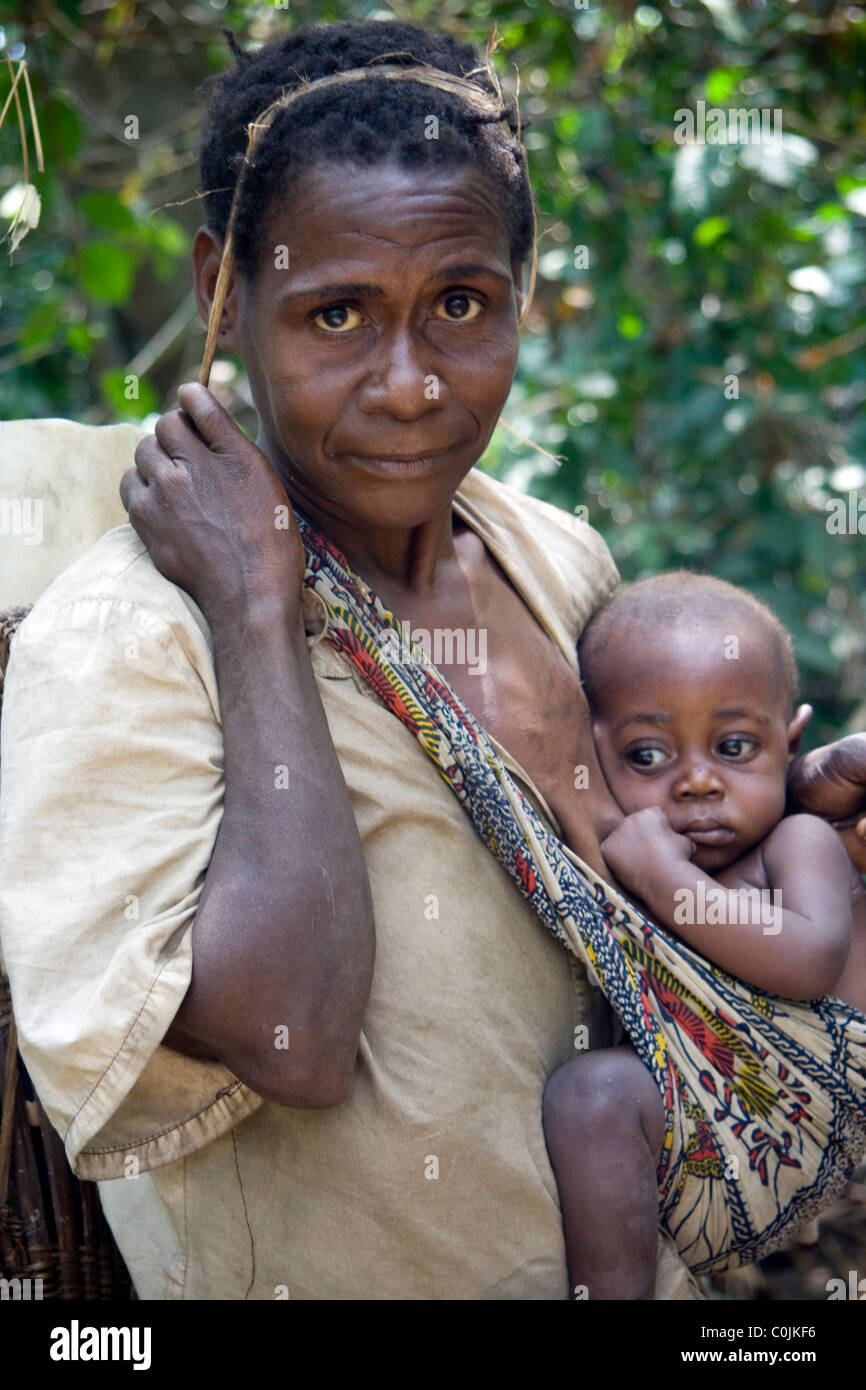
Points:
[462,308]
[646,757]
[338,318]
[736,747]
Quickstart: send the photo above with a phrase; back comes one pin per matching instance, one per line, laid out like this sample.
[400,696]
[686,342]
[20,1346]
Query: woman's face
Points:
[380,336]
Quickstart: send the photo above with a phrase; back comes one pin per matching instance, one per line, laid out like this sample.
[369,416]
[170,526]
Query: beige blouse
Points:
[432,1180]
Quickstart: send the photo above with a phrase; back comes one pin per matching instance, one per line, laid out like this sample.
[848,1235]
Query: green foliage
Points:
[107,272]
[131,399]
[697,369]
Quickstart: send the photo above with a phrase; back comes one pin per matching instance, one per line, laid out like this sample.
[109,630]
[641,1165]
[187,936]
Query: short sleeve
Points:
[111,792]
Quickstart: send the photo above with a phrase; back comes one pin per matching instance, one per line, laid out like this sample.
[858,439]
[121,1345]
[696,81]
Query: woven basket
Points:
[52,1227]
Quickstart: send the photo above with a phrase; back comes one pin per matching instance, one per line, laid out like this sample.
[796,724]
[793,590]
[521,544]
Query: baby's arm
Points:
[851,986]
[803,955]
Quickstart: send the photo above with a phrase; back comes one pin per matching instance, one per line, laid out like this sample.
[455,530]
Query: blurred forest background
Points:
[694,358]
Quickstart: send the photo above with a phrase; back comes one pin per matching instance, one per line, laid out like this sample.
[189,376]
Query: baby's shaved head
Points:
[677,600]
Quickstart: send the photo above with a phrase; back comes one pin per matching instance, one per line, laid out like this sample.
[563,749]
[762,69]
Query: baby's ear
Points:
[795,728]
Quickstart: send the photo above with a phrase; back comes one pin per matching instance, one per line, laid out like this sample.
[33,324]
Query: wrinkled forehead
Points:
[385,213]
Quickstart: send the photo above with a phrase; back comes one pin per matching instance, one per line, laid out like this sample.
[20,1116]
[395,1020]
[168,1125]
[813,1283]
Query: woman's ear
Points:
[795,729]
[207,251]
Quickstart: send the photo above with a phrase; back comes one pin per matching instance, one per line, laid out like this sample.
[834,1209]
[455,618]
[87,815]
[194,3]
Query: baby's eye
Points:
[737,746]
[339,318]
[646,757]
[466,307]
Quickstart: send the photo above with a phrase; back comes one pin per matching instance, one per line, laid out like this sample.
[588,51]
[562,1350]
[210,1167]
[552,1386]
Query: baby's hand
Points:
[639,842]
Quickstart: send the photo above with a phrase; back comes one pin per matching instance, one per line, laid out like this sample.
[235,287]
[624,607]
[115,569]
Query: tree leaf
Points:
[107,272]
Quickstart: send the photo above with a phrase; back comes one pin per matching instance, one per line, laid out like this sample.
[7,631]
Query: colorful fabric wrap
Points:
[765,1097]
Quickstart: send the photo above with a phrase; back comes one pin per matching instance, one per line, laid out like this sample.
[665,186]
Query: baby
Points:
[691,684]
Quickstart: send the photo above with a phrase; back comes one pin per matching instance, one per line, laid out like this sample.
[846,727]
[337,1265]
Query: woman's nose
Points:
[698,780]
[401,381]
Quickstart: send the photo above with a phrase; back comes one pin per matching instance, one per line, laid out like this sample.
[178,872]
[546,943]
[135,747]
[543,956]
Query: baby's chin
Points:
[713,859]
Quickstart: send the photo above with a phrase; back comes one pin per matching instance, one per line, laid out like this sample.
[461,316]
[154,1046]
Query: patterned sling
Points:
[765,1097]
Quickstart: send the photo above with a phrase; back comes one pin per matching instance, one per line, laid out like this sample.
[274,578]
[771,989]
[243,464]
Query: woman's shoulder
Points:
[566,557]
[113,588]
[116,565]
[526,516]
[70,547]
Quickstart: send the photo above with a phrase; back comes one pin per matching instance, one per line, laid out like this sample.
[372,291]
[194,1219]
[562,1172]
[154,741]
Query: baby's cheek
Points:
[765,803]
[636,793]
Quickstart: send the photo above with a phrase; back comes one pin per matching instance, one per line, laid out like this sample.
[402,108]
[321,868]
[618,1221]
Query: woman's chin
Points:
[389,495]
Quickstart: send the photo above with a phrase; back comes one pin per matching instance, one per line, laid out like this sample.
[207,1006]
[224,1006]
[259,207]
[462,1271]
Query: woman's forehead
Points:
[337,206]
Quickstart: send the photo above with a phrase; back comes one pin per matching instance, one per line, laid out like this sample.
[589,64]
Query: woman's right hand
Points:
[212,511]
[831,782]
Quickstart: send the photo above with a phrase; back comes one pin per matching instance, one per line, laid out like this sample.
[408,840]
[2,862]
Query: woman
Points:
[281,984]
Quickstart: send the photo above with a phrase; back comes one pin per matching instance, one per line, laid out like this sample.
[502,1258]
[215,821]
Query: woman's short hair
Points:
[369,122]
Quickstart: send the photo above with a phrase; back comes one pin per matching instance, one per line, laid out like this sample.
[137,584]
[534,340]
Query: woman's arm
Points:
[797,950]
[283,939]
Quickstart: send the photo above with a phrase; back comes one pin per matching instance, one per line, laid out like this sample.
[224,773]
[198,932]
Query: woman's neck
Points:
[412,561]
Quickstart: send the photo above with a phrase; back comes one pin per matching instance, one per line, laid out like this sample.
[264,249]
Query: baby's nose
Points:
[698,779]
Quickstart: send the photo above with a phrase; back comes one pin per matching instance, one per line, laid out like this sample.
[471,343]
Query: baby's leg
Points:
[604,1123]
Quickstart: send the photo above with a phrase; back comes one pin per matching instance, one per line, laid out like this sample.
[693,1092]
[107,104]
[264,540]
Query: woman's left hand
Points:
[831,782]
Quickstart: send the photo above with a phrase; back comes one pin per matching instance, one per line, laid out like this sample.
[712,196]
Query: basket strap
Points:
[10,1083]
[10,620]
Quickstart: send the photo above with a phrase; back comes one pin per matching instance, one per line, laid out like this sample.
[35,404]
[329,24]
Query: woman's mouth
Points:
[399,467]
